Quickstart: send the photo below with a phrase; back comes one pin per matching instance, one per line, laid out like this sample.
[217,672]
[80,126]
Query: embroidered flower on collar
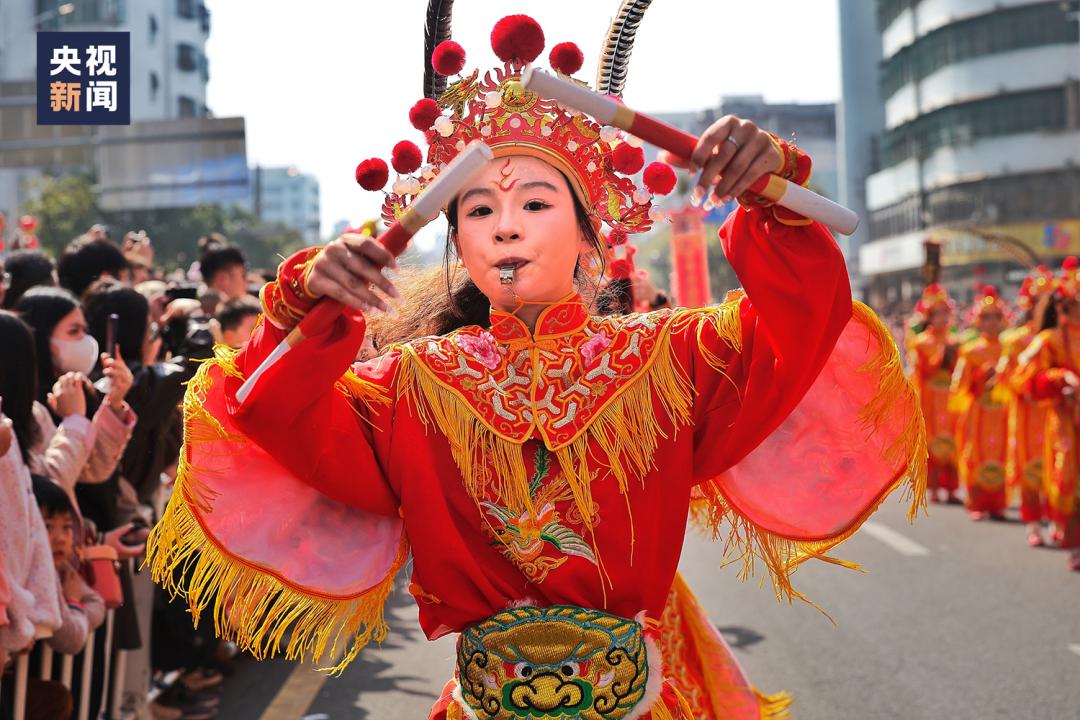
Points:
[594,346]
[481,347]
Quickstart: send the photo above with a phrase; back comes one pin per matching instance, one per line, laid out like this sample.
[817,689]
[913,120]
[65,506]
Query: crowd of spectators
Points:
[95,348]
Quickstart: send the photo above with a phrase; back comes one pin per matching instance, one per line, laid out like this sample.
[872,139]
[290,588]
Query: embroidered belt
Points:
[561,662]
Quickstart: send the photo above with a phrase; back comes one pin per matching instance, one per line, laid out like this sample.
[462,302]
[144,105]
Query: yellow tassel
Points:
[627,432]
[250,606]
[774,707]
[747,543]
[488,462]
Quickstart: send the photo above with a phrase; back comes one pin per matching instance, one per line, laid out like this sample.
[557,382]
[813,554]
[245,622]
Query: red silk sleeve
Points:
[797,302]
[308,411]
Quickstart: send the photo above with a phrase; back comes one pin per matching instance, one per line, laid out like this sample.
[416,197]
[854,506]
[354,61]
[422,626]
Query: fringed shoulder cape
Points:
[547,467]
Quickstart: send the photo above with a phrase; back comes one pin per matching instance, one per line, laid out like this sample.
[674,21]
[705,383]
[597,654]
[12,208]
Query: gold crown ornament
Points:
[495,108]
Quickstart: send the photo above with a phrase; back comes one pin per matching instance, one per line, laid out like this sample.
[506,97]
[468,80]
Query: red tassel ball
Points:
[566,57]
[517,37]
[621,268]
[627,159]
[659,178]
[617,237]
[448,58]
[406,157]
[372,174]
[1070,263]
[422,115]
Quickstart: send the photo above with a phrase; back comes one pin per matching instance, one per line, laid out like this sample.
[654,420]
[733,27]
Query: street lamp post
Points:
[35,22]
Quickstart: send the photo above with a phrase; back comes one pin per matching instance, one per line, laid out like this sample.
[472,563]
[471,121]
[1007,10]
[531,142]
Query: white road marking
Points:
[1075,647]
[898,542]
[295,696]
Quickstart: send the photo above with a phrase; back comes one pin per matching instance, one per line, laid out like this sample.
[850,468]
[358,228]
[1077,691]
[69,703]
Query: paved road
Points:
[952,619]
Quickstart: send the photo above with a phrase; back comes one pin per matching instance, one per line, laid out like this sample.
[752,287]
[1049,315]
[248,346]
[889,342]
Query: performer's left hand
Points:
[731,155]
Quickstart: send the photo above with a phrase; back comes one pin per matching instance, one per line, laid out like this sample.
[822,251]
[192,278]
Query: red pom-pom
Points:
[627,159]
[406,157]
[517,37]
[617,237]
[422,115]
[1070,263]
[448,58]
[621,268]
[372,174]
[659,178]
[566,57]
[989,291]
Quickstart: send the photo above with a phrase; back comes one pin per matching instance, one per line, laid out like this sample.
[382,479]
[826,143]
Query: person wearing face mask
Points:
[83,432]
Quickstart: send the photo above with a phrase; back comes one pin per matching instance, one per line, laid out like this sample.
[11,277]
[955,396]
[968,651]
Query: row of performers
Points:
[1001,403]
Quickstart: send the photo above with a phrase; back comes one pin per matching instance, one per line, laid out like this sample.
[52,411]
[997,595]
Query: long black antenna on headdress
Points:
[436,30]
[615,58]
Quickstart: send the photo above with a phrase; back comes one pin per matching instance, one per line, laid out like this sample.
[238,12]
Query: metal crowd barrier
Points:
[112,685]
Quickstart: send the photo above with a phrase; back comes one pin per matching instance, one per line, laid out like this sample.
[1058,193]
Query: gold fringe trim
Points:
[627,432]
[252,606]
[747,543]
[774,707]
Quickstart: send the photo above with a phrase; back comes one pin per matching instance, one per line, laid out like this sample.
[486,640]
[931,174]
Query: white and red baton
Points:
[681,144]
[425,208]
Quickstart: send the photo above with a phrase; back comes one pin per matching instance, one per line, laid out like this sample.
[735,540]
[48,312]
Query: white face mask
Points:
[75,355]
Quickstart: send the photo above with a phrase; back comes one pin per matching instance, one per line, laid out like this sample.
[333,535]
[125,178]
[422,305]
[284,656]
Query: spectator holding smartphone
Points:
[68,405]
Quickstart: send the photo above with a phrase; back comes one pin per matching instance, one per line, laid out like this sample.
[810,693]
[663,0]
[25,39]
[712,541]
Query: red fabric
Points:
[798,303]
[1047,385]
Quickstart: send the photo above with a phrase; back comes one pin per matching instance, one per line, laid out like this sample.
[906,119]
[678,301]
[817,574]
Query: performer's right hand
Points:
[349,270]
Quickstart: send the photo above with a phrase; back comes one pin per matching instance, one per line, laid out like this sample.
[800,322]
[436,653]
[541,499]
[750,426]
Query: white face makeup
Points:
[518,234]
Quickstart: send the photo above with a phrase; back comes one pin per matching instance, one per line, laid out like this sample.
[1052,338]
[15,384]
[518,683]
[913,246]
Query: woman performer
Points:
[535,461]
[1027,417]
[933,358]
[1047,372]
[982,420]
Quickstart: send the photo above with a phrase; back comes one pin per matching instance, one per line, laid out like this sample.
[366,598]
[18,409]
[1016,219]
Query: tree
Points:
[65,207]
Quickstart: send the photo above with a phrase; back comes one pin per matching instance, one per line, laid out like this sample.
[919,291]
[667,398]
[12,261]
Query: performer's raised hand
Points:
[350,269]
[731,155]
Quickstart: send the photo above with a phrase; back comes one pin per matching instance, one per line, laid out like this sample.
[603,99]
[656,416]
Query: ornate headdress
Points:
[496,109]
[1068,286]
[934,296]
[987,300]
[1037,284]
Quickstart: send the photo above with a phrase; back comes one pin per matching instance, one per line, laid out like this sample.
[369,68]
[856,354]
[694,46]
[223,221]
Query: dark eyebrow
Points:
[474,191]
[540,184]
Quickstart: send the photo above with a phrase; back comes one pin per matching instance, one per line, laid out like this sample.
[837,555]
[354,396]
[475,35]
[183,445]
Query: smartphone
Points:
[111,332]
[182,291]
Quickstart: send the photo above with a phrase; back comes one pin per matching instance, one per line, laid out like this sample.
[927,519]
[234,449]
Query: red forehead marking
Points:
[506,184]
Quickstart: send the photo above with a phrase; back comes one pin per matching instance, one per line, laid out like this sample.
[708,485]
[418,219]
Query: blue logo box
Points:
[83,78]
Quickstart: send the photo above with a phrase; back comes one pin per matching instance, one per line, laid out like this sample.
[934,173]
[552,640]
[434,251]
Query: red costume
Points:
[933,358]
[1048,373]
[982,417]
[540,480]
[1027,417]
